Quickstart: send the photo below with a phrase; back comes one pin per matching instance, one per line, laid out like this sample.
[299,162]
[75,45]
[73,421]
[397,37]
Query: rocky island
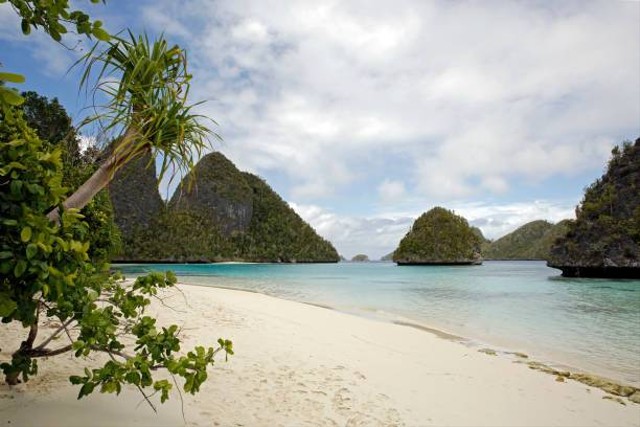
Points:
[218,213]
[604,240]
[439,237]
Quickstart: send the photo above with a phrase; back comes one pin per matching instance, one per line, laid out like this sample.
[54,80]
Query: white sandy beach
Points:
[302,365]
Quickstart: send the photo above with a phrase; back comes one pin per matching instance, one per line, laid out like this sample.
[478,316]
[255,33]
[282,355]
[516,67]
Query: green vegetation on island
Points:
[531,241]
[360,258]
[604,240]
[439,237]
[217,214]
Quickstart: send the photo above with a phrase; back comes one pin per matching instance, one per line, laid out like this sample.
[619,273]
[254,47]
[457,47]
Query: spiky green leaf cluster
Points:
[147,83]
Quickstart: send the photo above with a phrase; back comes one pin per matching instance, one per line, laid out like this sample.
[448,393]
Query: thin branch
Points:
[49,353]
[168,306]
[147,399]
[112,352]
[162,299]
[54,335]
[173,377]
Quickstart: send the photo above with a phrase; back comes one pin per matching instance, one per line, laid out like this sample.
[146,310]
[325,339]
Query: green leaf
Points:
[6,254]
[32,250]
[26,28]
[20,268]
[7,305]
[101,34]
[12,77]
[11,96]
[86,389]
[25,234]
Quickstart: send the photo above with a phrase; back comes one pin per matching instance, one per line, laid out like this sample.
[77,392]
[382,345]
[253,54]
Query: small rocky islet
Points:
[439,237]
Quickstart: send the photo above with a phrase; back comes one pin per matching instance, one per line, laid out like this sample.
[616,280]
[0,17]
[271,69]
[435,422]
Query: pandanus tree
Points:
[44,266]
[146,85]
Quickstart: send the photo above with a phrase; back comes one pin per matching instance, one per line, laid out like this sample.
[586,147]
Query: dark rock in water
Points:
[439,237]
[216,188]
[135,196]
[613,272]
[604,240]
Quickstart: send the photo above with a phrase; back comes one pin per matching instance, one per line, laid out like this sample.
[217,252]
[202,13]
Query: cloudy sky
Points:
[364,114]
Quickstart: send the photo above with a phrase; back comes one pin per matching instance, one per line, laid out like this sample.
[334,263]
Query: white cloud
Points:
[496,220]
[478,93]
[9,23]
[391,191]
[390,108]
[379,235]
[374,236]
[84,142]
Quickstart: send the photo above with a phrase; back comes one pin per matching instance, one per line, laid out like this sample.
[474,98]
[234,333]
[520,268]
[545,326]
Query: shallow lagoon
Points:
[590,324]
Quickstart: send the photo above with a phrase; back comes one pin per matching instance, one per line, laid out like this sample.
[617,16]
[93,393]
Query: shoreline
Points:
[549,363]
[300,364]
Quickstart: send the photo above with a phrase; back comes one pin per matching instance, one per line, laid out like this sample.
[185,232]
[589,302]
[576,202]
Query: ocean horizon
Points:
[586,324]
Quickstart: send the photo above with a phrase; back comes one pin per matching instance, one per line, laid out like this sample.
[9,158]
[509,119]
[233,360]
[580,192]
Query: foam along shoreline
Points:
[298,364]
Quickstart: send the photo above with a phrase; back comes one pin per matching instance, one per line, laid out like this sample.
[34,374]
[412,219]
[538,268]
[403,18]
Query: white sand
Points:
[298,365]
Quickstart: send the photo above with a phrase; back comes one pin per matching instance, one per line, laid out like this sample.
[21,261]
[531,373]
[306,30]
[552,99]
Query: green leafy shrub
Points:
[54,127]
[45,270]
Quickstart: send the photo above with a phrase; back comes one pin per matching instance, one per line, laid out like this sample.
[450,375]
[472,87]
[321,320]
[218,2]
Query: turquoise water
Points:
[589,324]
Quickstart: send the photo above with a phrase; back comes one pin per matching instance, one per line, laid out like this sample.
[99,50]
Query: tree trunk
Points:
[13,377]
[124,152]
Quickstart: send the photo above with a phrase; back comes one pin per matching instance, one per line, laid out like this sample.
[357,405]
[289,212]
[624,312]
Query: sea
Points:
[590,325]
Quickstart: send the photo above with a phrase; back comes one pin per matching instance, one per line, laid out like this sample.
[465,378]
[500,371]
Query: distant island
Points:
[604,240]
[439,237]
[217,214]
[360,258]
[387,258]
[532,241]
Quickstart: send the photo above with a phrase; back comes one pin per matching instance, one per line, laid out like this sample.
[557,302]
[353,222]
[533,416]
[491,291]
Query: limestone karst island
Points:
[261,213]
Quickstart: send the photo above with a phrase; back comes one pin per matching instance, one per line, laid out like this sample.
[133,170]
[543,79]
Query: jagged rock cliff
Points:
[216,188]
[134,195]
[439,237]
[604,240]
[531,241]
[218,214]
